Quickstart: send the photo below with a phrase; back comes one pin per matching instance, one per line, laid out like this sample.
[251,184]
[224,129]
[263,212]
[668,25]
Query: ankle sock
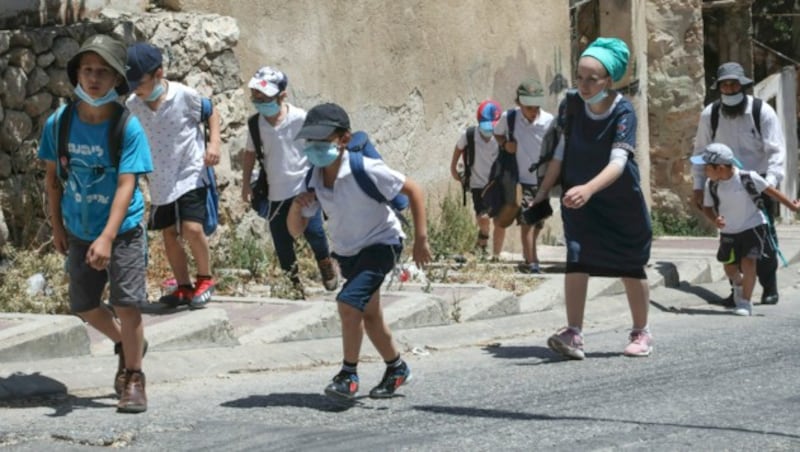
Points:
[350,368]
[395,363]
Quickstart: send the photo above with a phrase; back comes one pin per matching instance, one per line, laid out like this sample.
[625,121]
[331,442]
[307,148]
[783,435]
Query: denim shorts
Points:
[126,273]
[364,273]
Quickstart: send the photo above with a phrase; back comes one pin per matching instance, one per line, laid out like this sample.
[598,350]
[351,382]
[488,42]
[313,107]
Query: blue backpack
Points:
[212,196]
[359,147]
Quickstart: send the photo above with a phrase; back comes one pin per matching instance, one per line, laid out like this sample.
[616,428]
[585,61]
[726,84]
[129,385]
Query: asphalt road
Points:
[714,382]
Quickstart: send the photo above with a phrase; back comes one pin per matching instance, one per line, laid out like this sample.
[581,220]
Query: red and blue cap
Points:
[489,112]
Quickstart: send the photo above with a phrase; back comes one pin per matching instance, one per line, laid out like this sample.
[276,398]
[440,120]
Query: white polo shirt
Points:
[284,161]
[177,143]
[529,136]
[355,220]
[485,155]
[735,204]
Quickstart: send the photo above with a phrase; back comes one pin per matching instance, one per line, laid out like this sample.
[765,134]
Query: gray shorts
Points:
[126,272]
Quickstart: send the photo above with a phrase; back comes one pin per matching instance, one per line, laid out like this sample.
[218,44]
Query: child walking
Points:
[366,237]
[172,115]
[96,207]
[521,131]
[477,148]
[729,202]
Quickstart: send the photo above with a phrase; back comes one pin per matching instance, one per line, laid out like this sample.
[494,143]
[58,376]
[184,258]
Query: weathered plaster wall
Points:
[411,73]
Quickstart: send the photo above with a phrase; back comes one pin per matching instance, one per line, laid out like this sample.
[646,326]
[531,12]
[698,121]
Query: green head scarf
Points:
[612,53]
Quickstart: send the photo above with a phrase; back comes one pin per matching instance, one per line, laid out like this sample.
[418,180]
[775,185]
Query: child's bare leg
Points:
[132,330]
[528,243]
[483,230]
[377,329]
[575,286]
[733,274]
[103,321]
[748,278]
[534,238]
[638,294]
[498,237]
[352,331]
[193,234]
[176,256]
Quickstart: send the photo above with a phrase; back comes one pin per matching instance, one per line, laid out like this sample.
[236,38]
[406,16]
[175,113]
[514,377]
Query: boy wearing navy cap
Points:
[366,238]
[172,114]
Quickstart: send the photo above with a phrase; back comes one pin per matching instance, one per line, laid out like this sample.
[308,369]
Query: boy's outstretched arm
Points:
[774,193]
[422,251]
[295,221]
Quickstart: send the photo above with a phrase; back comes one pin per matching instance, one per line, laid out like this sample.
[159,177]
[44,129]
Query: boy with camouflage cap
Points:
[96,213]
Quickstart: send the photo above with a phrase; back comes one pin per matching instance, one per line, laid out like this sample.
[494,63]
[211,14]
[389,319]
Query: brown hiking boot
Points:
[330,278]
[133,398]
[119,378]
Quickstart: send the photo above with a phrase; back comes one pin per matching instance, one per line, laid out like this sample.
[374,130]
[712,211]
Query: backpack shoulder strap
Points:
[757,103]
[712,189]
[362,178]
[309,174]
[511,120]
[469,155]
[714,119]
[750,186]
[116,134]
[255,135]
[62,139]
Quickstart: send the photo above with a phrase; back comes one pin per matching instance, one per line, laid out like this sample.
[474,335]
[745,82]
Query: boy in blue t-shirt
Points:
[366,237]
[96,208]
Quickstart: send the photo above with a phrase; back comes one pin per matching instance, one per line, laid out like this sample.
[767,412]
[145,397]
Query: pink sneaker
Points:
[641,344]
[568,342]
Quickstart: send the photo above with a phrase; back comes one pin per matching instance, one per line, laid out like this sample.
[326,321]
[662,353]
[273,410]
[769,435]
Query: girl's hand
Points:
[577,197]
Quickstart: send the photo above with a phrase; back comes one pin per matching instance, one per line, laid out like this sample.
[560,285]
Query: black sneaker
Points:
[392,379]
[343,386]
[769,298]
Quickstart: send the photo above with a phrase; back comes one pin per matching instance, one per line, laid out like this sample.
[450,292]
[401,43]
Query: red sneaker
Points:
[203,289]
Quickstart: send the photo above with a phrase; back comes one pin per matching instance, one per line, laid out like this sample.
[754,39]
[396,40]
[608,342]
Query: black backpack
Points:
[749,185]
[119,121]
[715,116]
[259,200]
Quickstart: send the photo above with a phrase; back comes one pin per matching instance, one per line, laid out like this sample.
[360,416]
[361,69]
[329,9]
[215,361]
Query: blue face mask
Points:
[597,98]
[321,153]
[158,90]
[732,100]
[109,97]
[267,108]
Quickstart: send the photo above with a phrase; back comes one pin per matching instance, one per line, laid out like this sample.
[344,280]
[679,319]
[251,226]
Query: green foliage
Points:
[454,230]
[668,223]
[244,253]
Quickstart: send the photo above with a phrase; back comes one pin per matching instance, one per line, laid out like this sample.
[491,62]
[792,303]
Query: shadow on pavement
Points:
[546,355]
[292,399]
[522,416]
[48,393]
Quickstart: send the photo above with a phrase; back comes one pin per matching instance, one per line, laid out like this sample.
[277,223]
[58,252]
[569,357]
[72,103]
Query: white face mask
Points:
[732,100]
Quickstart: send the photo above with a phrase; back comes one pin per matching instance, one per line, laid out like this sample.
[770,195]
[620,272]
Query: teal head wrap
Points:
[612,53]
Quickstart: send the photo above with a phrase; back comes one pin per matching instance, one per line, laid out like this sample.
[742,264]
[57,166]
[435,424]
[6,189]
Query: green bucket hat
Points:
[109,49]
[530,92]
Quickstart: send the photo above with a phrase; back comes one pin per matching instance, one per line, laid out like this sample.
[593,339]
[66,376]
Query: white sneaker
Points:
[743,308]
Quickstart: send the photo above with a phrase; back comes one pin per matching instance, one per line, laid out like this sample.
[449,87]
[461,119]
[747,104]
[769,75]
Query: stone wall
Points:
[676,90]
[33,82]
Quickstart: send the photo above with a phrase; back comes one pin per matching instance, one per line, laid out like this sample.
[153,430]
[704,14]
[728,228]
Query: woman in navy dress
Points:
[606,221]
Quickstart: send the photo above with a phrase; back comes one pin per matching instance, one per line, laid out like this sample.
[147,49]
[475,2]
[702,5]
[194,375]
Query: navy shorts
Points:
[126,273]
[746,244]
[189,207]
[480,207]
[525,214]
[364,273]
